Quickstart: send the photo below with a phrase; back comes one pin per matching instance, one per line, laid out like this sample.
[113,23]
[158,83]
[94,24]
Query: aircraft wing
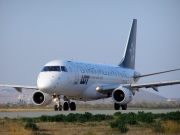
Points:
[145,75]
[154,85]
[109,88]
[19,87]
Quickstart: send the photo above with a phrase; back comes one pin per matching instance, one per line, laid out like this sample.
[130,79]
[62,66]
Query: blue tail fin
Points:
[128,60]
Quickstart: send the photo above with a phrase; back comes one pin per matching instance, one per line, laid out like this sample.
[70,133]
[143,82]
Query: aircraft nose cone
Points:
[44,84]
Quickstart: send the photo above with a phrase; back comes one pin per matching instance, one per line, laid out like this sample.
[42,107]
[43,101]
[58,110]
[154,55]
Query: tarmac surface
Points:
[51,113]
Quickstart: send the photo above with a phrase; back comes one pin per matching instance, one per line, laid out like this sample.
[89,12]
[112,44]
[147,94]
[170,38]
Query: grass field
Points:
[99,124]
[59,128]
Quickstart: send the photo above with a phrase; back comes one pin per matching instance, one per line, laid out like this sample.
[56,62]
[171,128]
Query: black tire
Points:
[124,107]
[116,106]
[60,107]
[66,106]
[72,106]
[55,107]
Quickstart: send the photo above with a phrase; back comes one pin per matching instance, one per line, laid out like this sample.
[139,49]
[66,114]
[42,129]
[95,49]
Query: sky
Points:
[33,33]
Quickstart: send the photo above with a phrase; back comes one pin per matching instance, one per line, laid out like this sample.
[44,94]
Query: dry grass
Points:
[171,127]
[90,128]
[9,127]
[13,128]
[57,128]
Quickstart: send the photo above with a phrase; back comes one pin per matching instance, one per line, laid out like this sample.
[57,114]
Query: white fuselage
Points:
[78,80]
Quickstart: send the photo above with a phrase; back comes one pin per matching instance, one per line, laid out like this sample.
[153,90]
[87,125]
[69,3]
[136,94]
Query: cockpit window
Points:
[51,68]
[64,69]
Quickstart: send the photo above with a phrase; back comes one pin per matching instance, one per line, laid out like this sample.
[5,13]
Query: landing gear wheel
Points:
[60,107]
[66,106]
[72,106]
[55,107]
[116,106]
[124,107]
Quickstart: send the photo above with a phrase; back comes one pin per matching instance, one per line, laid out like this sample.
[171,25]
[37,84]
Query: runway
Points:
[109,112]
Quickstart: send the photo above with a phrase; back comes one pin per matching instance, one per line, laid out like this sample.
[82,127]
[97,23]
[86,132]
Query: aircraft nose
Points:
[44,84]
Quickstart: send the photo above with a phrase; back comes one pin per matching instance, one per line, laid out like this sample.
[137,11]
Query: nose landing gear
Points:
[58,105]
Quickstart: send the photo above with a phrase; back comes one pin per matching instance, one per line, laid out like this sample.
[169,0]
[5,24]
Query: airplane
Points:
[85,81]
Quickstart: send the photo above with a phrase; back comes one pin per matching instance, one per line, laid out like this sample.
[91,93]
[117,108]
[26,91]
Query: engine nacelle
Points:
[40,98]
[122,96]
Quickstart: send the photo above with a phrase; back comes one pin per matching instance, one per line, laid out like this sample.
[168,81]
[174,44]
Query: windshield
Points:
[51,68]
[54,68]
[63,68]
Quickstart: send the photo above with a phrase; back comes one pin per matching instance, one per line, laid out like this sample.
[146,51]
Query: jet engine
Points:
[40,98]
[122,96]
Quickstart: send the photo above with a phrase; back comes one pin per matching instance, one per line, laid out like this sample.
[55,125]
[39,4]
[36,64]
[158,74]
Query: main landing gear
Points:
[66,106]
[72,106]
[117,106]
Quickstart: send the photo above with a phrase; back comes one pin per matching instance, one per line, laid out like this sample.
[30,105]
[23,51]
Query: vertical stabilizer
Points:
[128,60]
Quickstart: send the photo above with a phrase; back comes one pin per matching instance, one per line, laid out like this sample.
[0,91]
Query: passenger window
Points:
[64,69]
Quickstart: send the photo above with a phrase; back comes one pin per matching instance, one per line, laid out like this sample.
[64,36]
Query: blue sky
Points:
[33,33]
